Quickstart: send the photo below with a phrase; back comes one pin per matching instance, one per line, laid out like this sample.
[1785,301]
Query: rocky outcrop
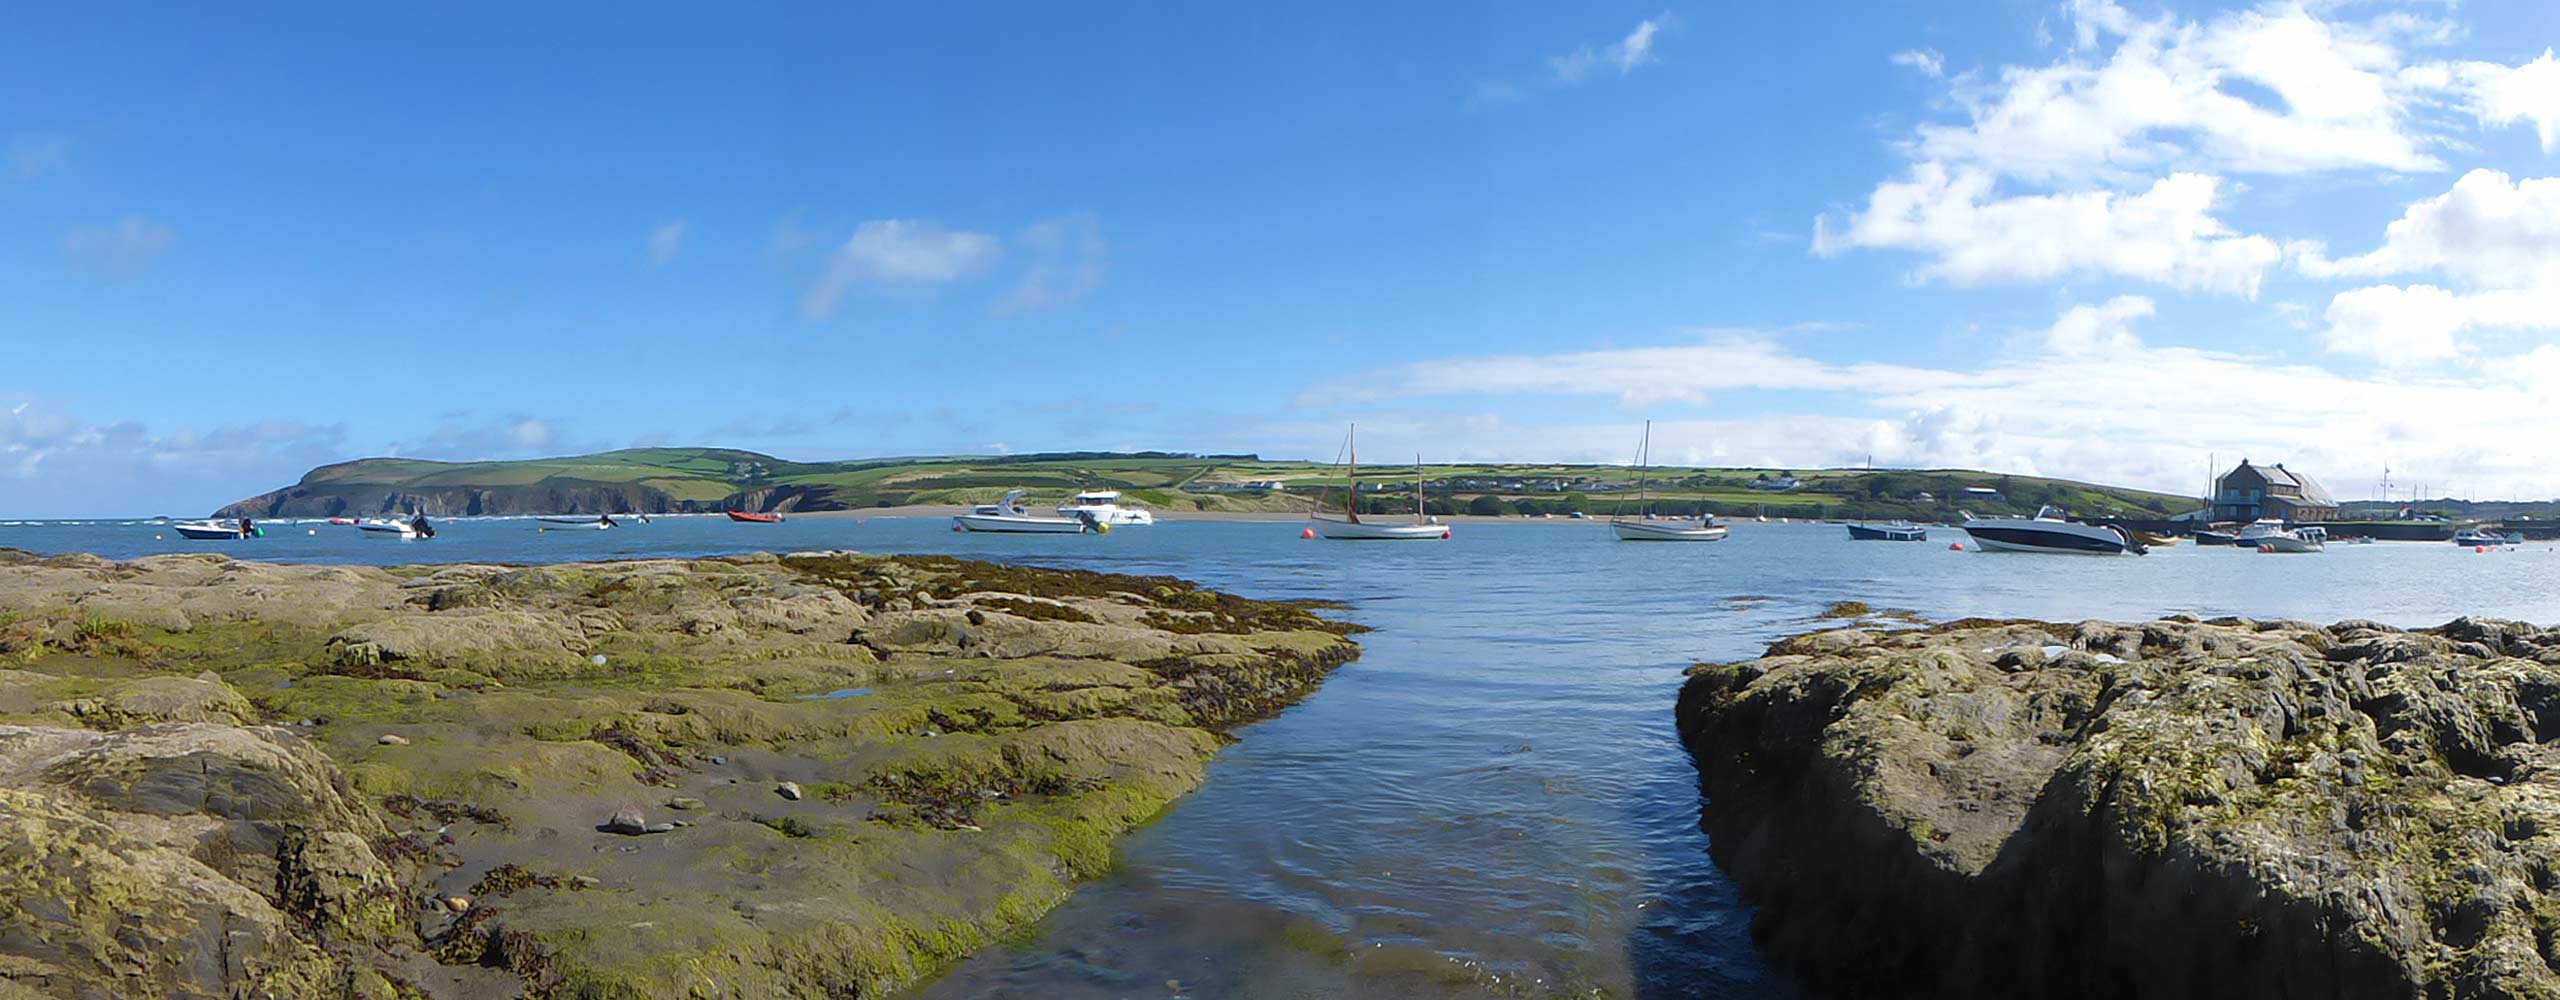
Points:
[2170,809]
[229,779]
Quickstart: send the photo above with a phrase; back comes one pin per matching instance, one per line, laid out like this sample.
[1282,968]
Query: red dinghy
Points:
[748,515]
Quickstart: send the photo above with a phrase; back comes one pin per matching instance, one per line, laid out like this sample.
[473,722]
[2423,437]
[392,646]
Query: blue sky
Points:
[2075,239]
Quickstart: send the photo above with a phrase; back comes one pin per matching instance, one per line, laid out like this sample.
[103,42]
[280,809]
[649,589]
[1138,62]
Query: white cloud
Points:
[1927,61]
[1068,258]
[34,155]
[2497,238]
[118,252]
[666,243]
[2506,95]
[1624,55]
[2167,234]
[2487,230]
[2011,413]
[897,253]
[2275,90]
[53,463]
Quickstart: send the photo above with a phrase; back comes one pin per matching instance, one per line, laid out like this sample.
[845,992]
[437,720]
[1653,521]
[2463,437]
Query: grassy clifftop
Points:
[696,479]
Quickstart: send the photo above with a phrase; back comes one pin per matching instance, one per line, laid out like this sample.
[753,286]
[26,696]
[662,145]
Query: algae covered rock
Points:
[880,764]
[2168,809]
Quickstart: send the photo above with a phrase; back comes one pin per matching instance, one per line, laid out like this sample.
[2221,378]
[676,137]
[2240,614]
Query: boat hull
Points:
[2288,544]
[752,517]
[204,533]
[1007,524]
[1111,515]
[1354,531]
[387,531]
[1672,531]
[2042,537]
[1871,533]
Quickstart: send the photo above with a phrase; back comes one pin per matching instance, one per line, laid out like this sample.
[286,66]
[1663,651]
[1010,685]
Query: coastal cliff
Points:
[2170,809]
[818,775]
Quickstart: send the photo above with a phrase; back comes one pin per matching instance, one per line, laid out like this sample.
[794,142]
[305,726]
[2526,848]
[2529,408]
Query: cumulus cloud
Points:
[2508,95]
[118,252]
[465,435]
[666,243]
[55,463]
[1623,55]
[897,254]
[2011,413]
[1974,235]
[2496,238]
[1068,257]
[35,155]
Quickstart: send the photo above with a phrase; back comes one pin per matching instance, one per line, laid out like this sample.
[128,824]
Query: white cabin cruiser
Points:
[2048,532]
[2296,540]
[1104,507]
[1007,515]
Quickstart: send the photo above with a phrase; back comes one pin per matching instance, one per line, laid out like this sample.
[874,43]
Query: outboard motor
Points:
[2131,544]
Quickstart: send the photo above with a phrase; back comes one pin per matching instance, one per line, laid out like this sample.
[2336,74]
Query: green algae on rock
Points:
[222,778]
[2170,809]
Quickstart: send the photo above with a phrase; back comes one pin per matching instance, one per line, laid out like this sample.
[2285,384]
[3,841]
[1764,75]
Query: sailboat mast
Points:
[1351,503]
[1417,487]
[1644,459]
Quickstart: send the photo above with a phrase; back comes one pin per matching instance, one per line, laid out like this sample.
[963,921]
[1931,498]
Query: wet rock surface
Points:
[223,779]
[2168,809]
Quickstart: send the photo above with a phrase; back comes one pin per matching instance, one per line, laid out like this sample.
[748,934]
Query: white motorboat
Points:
[2048,532]
[1104,507]
[1007,515]
[1644,527]
[2296,540]
[1349,526]
[386,529]
[2477,537]
[2259,532]
[208,530]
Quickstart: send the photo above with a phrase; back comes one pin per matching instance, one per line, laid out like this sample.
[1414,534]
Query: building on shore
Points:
[2252,492]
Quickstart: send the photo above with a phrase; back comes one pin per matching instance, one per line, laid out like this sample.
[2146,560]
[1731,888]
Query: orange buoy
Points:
[1955,546]
[1308,534]
[2479,548]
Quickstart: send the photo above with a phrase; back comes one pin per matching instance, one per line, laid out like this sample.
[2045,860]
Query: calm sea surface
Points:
[1491,801]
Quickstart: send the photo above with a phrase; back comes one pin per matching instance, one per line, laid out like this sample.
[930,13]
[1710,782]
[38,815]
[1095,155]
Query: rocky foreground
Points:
[2171,809]
[799,776]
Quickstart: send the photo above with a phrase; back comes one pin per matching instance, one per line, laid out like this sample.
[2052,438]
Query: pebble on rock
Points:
[627,820]
[393,740]
[789,790]
[458,904]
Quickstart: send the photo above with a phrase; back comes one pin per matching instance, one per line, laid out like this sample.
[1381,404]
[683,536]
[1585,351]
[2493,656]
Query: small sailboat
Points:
[1007,515]
[1648,529]
[1349,527]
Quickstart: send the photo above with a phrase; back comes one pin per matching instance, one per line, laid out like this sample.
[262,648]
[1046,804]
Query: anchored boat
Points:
[2049,532]
[753,517]
[1349,527]
[1104,507]
[1898,531]
[210,530]
[1007,515]
[1644,527]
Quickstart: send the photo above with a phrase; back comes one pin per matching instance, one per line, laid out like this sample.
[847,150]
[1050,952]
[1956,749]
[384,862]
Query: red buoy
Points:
[2479,548]
[1444,535]
[1308,534]
[1955,546]
[955,527]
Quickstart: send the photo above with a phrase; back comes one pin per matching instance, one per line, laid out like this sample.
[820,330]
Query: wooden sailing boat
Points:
[1350,527]
[1644,528]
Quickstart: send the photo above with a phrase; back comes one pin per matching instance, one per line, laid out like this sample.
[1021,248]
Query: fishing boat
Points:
[210,530]
[2257,534]
[1349,527]
[2296,540]
[2048,531]
[753,517]
[2477,537]
[1008,516]
[1644,527]
[1104,507]
[1898,531]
